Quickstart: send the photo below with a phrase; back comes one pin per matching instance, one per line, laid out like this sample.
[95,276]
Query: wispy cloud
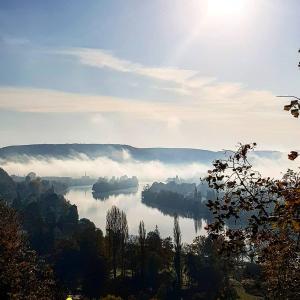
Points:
[51,101]
[228,99]
[98,58]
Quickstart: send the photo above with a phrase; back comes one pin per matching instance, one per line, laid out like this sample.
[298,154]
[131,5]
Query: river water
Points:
[131,204]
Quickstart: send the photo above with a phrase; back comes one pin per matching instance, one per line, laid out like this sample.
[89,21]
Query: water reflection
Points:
[131,203]
[106,195]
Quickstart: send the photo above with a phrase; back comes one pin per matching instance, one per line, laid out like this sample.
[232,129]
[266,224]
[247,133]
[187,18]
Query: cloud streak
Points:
[178,81]
[229,99]
[51,101]
[100,58]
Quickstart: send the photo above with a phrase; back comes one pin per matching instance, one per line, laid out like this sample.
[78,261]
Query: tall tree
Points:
[124,238]
[177,254]
[142,241]
[113,232]
[154,261]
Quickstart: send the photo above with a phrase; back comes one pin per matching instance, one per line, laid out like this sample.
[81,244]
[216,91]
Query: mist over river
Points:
[124,161]
[131,204]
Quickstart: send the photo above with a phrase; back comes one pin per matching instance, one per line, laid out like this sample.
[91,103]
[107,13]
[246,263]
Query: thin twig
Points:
[288,97]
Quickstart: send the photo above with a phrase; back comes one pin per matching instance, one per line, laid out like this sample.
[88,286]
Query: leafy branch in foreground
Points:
[265,214]
[294,108]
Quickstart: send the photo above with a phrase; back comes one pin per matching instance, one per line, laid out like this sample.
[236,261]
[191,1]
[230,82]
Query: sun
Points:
[197,12]
[210,19]
[222,8]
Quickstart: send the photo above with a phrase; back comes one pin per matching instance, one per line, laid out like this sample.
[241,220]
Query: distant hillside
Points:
[115,152]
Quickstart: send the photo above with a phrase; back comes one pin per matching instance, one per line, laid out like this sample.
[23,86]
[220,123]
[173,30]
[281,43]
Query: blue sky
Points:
[170,73]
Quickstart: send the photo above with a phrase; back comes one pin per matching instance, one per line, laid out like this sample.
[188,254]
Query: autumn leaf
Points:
[295,112]
[287,107]
[293,155]
[296,225]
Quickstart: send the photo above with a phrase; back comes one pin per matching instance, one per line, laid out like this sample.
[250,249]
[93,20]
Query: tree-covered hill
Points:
[7,187]
[117,152]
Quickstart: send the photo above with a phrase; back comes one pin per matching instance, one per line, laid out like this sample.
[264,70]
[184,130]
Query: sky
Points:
[160,73]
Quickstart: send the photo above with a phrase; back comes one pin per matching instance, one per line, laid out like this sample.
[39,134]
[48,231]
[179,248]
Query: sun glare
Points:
[210,18]
[203,12]
[220,8]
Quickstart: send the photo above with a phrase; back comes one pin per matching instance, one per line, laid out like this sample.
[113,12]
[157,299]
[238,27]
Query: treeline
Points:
[170,202]
[147,266]
[104,185]
[184,199]
[71,256]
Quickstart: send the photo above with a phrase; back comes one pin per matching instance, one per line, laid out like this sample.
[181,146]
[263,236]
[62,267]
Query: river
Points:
[131,204]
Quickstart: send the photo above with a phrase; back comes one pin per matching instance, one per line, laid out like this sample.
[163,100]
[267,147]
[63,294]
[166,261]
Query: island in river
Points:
[105,185]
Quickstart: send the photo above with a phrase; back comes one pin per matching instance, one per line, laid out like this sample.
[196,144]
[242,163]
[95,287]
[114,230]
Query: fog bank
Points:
[80,164]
